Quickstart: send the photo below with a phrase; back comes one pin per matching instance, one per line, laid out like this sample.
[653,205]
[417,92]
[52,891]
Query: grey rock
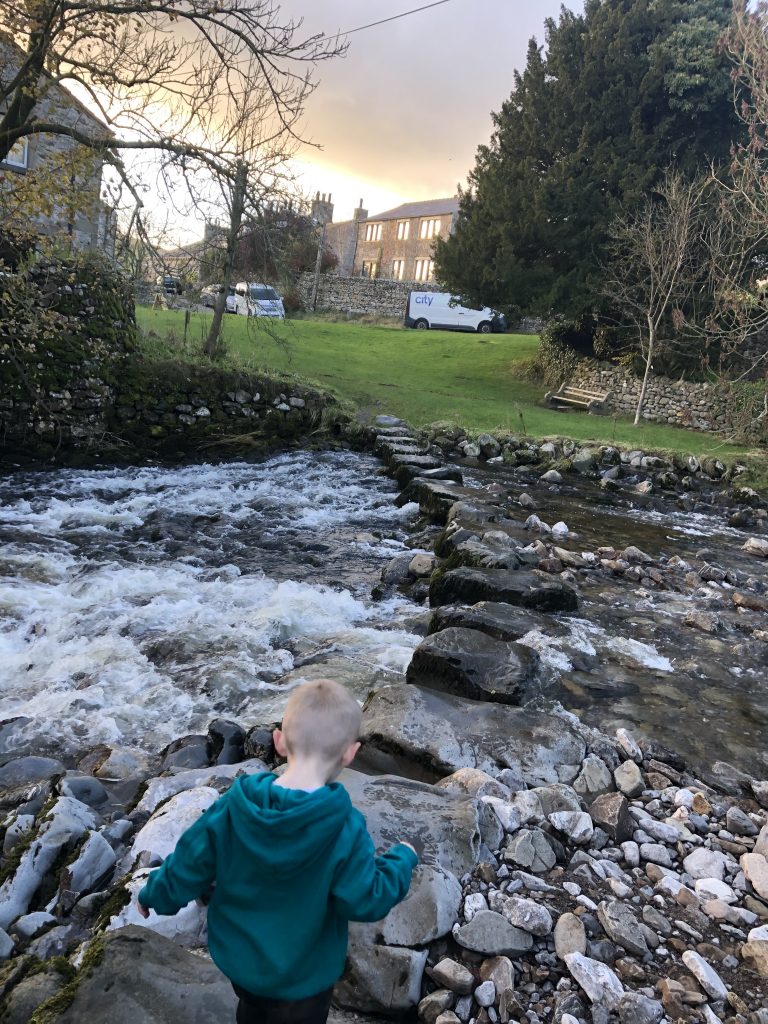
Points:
[427,913]
[491,934]
[740,823]
[577,825]
[704,863]
[28,926]
[453,976]
[18,776]
[527,914]
[95,859]
[16,831]
[594,779]
[66,822]
[557,797]
[432,1005]
[598,981]
[407,727]
[84,788]
[530,850]
[445,824]
[30,993]
[6,945]
[59,941]
[636,1008]
[621,926]
[468,663]
[485,994]
[175,984]
[706,975]
[629,779]
[570,935]
[497,619]
[380,978]
[522,589]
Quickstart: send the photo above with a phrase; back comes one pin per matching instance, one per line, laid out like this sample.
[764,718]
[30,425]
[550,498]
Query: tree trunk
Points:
[646,375]
[213,341]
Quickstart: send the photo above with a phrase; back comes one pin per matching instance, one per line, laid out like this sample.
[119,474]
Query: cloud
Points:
[408,106]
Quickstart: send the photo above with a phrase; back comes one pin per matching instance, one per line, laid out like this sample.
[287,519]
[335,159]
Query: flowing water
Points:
[629,658]
[137,604]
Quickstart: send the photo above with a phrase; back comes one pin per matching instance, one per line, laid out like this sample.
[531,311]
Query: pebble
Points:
[707,977]
[599,982]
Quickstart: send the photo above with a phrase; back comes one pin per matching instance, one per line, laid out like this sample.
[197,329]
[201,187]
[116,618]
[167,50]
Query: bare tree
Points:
[162,75]
[652,268]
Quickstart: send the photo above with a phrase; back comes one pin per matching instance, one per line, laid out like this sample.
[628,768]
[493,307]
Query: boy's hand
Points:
[142,909]
[410,846]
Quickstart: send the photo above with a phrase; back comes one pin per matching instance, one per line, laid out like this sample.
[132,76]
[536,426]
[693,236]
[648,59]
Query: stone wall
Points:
[160,408]
[360,294]
[682,403]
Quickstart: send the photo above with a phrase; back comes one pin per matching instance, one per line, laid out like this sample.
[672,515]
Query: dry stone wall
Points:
[682,403]
[162,408]
[360,295]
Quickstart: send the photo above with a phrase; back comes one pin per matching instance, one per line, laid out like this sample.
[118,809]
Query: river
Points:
[137,604]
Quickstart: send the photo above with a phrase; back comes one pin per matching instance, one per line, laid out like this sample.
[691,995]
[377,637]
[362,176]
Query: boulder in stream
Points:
[419,732]
[472,664]
[522,589]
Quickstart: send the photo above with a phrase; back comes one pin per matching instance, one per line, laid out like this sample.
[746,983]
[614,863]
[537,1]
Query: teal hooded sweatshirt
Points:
[291,870]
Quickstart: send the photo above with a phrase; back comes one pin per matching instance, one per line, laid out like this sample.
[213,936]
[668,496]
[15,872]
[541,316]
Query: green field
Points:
[421,376]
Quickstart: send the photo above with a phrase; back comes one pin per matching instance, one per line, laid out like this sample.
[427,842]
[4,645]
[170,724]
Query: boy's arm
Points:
[186,874]
[367,887]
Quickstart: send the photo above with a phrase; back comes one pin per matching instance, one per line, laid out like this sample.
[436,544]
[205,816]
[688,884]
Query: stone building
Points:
[395,245]
[49,180]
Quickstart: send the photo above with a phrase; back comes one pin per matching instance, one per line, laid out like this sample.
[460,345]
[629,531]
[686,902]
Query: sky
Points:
[401,116]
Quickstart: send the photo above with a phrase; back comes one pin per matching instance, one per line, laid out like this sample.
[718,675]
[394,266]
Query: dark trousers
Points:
[256,1010]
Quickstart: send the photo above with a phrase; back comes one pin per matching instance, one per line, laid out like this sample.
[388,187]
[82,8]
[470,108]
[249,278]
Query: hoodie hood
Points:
[286,829]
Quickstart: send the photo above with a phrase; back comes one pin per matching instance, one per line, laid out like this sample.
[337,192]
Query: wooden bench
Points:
[583,398]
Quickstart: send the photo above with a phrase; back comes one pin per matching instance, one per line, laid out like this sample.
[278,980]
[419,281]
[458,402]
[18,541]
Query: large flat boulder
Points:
[497,619]
[522,589]
[472,664]
[143,978]
[414,731]
[445,825]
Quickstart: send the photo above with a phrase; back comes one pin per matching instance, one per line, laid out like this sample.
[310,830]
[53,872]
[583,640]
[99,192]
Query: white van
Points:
[258,300]
[443,310]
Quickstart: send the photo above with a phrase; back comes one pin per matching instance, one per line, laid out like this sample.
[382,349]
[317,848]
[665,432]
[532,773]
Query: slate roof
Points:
[427,208]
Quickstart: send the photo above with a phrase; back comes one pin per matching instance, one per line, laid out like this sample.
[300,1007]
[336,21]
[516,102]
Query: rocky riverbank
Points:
[568,874]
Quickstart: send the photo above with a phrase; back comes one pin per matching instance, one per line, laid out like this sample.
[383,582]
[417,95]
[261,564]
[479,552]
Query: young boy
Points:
[293,863]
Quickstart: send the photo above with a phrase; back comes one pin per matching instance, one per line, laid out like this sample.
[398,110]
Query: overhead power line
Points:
[394,17]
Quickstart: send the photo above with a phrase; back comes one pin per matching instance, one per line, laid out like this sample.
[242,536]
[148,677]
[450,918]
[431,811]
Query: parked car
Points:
[252,299]
[427,310]
[211,292]
[170,285]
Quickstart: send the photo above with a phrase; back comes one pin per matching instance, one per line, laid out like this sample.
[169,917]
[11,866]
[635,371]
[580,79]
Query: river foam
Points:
[135,605]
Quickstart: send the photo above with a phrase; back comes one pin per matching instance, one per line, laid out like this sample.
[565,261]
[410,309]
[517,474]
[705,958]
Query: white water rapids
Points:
[137,604]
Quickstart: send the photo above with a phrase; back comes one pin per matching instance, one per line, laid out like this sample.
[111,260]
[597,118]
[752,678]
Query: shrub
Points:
[63,315]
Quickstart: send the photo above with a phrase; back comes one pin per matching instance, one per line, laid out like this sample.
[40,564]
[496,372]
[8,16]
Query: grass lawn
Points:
[421,376]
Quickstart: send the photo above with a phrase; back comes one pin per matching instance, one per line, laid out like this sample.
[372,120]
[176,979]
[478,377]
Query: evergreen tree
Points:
[624,90]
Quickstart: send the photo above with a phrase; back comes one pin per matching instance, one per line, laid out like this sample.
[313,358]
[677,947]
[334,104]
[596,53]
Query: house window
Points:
[403,230]
[398,269]
[18,155]
[370,268]
[430,228]
[425,270]
[373,232]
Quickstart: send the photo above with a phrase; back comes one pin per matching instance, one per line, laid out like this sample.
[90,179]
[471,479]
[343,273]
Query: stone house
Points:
[395,245]
[68,204]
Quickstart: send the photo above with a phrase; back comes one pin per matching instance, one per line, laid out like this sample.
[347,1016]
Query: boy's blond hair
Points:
[321,720]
